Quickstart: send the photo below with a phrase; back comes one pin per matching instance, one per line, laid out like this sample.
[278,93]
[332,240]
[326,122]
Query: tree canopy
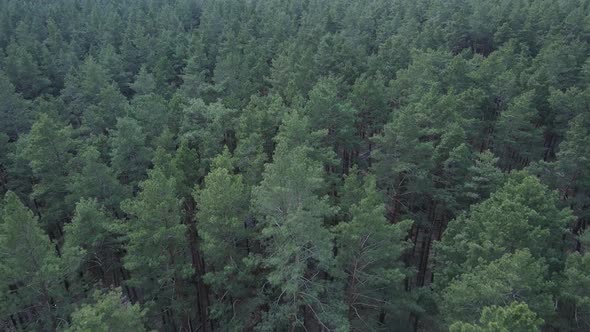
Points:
[288,165]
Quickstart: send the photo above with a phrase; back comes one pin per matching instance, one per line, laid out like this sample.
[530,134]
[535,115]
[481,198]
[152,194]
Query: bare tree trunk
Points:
[198,264]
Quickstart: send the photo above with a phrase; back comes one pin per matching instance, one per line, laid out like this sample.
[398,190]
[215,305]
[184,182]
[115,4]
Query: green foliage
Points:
[108,312]
[255,130]
[145,83]
[102,115]
[15,115]
[516,317]
[252,165]
[49,149]
[130,156]
[575,288]
[96,180]
[92,241]
[297,244]
[516,136]
[30,270]
[513,277]
[224,226]
[523,214]
[209,127]
[156,248]
[369,248]
[223,206]
[23,70]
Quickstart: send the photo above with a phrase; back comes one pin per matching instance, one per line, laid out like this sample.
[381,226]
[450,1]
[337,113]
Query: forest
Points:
[294,165]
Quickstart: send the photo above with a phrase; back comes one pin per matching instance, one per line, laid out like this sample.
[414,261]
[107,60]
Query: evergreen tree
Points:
[15,113]
[575,289]
[152,114]
[31,272]
[369,248]
[145,83]
[513,277]
[101,117]
[130,156]
[523,214]
[209,127]
[156,250]
[271,137]
[93,241]
[83,88]
[225,229]
[517,140]
[23,70]
[108,312]
[96,180]
[297,245]
[327,112]
[255,130]
[49,150]
[515,317]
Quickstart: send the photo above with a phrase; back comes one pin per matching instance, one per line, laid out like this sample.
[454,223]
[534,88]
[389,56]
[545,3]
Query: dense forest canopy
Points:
[295,165]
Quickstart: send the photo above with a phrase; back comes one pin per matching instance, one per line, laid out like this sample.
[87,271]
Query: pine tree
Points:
[523,214]
[327,112]
[93,243]
[15,113]
[130,156]
[297,245]
[144,83]
[514,317]
[83,88]
[152,114]
[209,127]
[102,116]
[31,273]
[23,71]
[96,180]
[516,277]
[223,224]
[574,290]
[110,311]
[369,250]
[49,149]
[517,140]
[255,130]
[157,251]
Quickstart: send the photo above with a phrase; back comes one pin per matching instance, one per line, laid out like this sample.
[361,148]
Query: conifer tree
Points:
[93,243]
[225,229]
[298,250]
[31,273]
[49,149]
[513,277]
[157,250]
[514,317]
[15,113]
[369,250]
[523,214]
[130,156]
[96,180]
[110,311]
